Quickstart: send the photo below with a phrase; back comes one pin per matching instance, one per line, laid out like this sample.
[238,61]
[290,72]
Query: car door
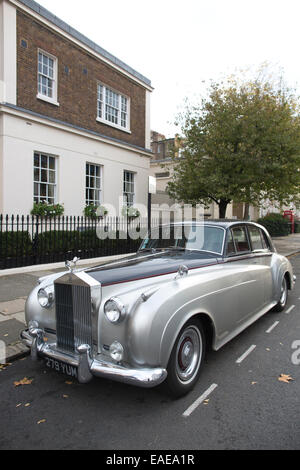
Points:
[262,257]
[247,275]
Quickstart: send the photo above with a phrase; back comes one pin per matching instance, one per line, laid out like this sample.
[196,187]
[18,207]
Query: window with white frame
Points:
[129,188]
[47,77]
[44,178]
[112,108]
[93,184]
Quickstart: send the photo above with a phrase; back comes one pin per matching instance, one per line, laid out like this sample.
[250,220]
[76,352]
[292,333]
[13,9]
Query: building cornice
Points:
[53,22]
[29,115]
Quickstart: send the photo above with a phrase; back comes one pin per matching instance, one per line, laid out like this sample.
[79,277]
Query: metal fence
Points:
[30,240]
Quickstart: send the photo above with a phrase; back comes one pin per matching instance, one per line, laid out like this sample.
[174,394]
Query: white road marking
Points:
[272,327]
[243,356]
[199,400]
[290,309]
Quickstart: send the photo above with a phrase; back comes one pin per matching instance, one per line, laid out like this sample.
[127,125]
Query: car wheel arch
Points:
[209,332]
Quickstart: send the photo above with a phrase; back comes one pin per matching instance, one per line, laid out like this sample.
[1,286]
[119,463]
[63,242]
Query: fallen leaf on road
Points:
[41,421]
[65,396]
[24,381]
[68,382]
[285,378]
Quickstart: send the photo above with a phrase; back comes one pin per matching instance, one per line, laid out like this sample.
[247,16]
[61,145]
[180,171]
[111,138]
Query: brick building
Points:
[74,120]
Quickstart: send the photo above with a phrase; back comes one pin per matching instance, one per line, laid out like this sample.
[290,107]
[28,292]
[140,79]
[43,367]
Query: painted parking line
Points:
[272,327]
[199,400]
[290,309]
[246,353]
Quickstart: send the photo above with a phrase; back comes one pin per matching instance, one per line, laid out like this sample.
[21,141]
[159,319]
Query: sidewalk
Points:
[14,289]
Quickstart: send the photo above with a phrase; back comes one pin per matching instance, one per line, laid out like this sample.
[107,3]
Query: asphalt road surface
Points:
[238,403]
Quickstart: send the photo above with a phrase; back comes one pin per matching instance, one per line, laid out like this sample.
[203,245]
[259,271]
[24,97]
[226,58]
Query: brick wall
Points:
[77,91]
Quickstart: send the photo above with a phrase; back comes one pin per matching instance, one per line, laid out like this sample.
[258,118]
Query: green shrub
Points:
[276,225]
[297,226]
[56,241]
[64,241]
[42,209]
[14,244]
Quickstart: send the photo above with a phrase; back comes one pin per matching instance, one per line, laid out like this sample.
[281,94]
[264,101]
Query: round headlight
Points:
[114,310]
[45,297]
[116,351]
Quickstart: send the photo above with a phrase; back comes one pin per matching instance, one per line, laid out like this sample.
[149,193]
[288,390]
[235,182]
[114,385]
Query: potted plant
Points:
[43,209]
[130,212]
[92,211]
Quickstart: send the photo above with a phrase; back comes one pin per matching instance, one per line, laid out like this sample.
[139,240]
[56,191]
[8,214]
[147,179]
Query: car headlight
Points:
[114,310]
[46,297]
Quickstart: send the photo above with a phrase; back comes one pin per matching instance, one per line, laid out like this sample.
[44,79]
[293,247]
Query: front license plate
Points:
[61,367]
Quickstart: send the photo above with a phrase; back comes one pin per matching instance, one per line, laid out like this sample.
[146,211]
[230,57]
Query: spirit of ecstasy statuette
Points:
[68,264]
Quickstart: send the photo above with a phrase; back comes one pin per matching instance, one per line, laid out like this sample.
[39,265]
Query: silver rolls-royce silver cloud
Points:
[149,317]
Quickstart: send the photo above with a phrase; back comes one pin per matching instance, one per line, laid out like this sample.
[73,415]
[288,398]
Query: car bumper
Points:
[87,367]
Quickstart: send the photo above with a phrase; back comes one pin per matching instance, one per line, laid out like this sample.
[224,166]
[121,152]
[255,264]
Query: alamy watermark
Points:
[164,213]
[295,358]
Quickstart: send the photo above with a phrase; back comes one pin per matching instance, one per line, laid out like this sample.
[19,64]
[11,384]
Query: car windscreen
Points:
[189,237]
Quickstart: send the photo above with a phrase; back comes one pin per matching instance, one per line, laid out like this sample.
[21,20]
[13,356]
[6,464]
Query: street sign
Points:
[152,185]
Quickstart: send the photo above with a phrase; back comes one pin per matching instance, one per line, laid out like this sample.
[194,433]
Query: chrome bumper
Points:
[87,367]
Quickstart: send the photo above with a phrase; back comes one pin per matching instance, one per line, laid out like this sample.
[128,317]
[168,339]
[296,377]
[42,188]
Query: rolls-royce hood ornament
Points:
[68,264]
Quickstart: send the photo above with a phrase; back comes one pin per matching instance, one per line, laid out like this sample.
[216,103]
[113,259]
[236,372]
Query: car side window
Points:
[230,248]
[255,237]
[240,239]
[265,241]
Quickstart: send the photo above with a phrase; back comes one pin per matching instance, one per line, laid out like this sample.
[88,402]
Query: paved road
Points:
[247,408]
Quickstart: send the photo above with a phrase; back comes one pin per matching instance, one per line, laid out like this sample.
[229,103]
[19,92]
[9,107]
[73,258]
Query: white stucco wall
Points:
[1,164]
[23,136]
[8,53]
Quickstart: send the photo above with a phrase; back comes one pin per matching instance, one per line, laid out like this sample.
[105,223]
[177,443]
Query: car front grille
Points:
[73,316]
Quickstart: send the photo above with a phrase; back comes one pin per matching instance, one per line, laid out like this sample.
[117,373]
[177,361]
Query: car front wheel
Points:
[186,359]
[283,296]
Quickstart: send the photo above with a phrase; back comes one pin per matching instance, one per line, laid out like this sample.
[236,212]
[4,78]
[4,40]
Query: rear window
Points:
[255,237]
[240,239]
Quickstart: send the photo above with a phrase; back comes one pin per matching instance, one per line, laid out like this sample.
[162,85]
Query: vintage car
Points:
[149,317]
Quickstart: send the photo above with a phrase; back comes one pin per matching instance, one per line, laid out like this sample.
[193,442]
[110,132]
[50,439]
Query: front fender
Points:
[157,322]
[280,266]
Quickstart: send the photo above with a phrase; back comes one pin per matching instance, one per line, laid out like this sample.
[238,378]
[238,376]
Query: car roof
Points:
[215,222]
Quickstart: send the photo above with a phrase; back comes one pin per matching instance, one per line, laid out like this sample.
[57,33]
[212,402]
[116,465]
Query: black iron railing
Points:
[30,240]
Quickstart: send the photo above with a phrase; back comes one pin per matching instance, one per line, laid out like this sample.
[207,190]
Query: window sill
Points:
[48,100]
[115,126]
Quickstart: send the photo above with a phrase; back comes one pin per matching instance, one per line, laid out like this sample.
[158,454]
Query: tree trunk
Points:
[247,211]
[222,208]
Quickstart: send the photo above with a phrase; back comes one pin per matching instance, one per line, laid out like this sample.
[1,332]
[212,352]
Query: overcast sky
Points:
[178,44]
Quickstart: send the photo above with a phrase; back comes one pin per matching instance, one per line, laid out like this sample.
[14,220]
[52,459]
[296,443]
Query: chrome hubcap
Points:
[283,292]
[189,353]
